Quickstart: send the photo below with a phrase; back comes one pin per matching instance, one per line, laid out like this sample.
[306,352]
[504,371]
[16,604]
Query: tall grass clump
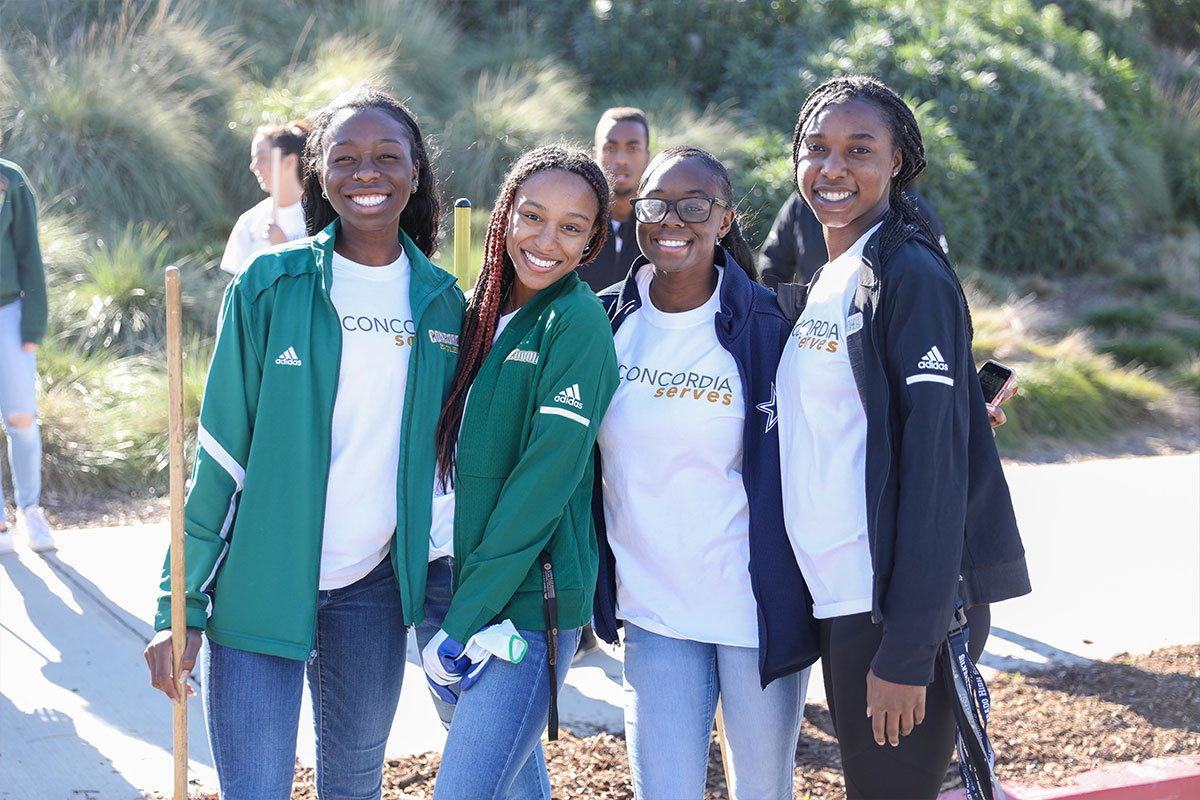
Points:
[1071,394]
[116,303]
[112,117]
[501,115]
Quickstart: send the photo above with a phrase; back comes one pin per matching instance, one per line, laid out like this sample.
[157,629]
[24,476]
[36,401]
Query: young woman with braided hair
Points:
[307,519]
[877,391]
[535,374]
[695,561]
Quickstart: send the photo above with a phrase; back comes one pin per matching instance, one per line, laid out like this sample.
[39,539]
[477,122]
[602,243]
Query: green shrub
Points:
[1146,282]
[1187,376]
[116,303]
[1123,317]
[73,122]
[500,116]
[1152,351]
[1073,395]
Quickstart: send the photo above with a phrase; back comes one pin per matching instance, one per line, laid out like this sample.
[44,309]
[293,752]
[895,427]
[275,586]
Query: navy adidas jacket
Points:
[940,520]
[752,328]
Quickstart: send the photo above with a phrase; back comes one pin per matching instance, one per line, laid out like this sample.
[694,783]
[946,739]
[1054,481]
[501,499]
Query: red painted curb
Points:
[1156,779]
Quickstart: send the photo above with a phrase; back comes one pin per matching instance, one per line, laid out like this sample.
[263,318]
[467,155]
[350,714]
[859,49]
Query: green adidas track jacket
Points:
[524,464]
[255,510]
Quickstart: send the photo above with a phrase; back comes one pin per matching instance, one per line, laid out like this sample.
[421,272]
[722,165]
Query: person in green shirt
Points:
[22,326]
[536,370]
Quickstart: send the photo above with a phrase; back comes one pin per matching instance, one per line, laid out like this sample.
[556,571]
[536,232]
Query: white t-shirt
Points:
[441,532]
[377,335]
[823,444]
[674,503]
[618,242]
[247,239]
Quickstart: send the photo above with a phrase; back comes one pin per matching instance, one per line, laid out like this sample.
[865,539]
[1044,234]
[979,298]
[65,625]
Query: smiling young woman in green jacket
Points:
[308,516]
[535,375]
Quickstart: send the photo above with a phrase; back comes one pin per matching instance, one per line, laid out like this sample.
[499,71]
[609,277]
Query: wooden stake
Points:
[462,242]
[276,162]
[724,745]
[178,597]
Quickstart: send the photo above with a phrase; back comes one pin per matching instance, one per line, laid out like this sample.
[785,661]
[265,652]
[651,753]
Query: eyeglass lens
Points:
[689,209]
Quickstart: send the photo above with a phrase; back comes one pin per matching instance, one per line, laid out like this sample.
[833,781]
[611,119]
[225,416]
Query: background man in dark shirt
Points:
[622,148]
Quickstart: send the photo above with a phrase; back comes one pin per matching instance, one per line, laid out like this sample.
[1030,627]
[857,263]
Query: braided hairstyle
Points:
[420,217]
[731,241]
[902,217]
[497,276]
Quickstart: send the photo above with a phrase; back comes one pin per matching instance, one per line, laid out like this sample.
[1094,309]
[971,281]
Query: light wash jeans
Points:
[18,393]
[252,701]
[532,781]
[671,691]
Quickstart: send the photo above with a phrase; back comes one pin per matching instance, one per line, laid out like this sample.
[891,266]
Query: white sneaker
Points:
[6,540]
[37,531]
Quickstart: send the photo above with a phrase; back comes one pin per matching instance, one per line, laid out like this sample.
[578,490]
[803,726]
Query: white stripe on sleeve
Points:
[562,412]
[222,457]
[925,378]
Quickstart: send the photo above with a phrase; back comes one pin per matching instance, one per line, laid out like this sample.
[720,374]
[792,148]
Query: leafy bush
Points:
[1126,317]
[1159,350]
[1072,394]
[71,117]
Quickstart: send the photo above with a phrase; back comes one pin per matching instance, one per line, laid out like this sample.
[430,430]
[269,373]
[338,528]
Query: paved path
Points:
[1113,546]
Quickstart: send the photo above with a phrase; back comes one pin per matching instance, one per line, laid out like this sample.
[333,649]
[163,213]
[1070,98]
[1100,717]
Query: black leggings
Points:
[915,768]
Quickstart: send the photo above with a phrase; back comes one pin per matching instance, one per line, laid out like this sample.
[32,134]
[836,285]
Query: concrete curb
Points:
[1156,779]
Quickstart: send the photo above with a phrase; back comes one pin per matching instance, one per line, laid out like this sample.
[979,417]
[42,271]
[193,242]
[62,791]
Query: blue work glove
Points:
[444,665]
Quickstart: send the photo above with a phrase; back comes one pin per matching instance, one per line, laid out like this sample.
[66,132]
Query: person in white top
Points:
[350,313]
[279,218]
[691,500]
[894,496]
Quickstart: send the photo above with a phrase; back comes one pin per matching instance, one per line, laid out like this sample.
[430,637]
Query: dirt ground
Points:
[1045,727]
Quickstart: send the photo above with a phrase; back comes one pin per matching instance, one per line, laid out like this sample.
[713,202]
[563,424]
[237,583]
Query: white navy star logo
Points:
[768,408]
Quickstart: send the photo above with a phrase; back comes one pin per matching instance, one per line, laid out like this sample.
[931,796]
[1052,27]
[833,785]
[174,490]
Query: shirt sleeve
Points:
[31,273]
[580,363]
[928,362]
[238,248]
[223,447]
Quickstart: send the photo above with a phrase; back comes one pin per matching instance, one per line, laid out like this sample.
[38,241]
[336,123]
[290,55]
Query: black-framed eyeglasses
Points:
[689,209]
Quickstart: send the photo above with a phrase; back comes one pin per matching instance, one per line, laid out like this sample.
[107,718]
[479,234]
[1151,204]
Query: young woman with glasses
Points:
[695,561]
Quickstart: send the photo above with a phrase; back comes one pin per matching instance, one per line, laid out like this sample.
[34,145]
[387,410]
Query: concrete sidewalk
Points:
[1113,547]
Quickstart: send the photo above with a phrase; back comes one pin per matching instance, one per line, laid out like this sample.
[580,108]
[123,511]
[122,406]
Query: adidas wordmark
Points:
[570,397]
[933,360]
[289,358]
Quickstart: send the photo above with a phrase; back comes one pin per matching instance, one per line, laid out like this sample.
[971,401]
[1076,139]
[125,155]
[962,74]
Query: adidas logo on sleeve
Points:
[569,397]
[289,358]
[933,360]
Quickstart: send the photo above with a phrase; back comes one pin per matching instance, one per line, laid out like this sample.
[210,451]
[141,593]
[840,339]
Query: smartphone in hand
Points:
[995,378]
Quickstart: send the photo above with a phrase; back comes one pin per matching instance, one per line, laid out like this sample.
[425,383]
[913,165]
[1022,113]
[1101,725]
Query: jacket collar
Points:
[736,293]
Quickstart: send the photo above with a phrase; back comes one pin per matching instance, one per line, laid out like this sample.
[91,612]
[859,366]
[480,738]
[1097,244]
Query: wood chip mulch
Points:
[1045,727]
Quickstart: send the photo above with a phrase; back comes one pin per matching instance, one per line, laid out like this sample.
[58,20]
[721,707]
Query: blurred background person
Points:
[622,148]
[273,220]
[22,326]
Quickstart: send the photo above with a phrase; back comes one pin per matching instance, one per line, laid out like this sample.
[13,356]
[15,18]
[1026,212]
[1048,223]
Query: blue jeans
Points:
[18,394]
[671,691]
[498,725]
[532,781]
[252,701]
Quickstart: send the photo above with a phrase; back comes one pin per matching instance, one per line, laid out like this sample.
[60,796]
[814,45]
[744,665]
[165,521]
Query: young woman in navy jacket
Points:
[893,493]
[695,561]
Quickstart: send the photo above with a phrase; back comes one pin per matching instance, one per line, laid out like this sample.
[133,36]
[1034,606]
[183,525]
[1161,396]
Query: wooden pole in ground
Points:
[276,165]
[724,746]
[462,242]
[178,598]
